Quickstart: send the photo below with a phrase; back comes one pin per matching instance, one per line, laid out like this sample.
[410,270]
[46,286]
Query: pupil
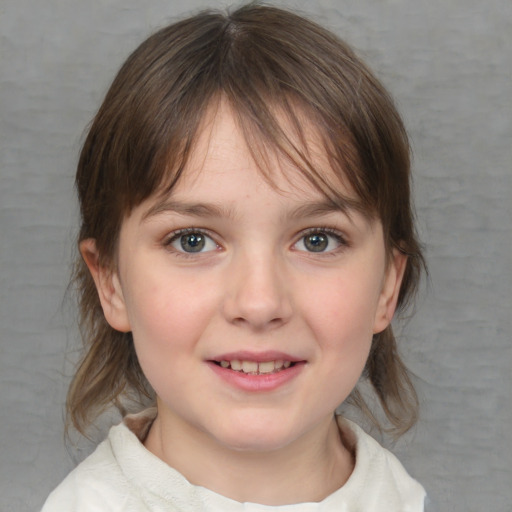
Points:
[193,242]
[317,242]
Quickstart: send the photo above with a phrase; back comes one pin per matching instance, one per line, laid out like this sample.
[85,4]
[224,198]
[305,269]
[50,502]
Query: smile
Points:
[255,367]
[257,372]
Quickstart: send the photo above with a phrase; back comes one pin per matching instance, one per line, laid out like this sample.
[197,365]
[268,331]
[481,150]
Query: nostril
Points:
[258,322]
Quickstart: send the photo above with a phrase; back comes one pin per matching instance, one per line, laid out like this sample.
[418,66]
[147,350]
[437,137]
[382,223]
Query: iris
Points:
[192,242]
[316,242]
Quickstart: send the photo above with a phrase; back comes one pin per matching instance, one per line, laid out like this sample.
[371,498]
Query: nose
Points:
[258,292]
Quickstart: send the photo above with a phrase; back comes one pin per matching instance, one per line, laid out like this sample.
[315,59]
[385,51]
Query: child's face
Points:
[228,272]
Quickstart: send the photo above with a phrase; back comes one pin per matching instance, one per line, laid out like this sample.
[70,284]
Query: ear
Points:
[108,287]
[390,290]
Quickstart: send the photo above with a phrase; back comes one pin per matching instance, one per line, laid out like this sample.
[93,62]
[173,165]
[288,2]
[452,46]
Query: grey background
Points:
[449,66]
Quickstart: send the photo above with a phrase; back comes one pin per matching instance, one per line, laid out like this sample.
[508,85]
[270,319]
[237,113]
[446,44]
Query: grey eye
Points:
[316,242]
[193,242]
[319,241]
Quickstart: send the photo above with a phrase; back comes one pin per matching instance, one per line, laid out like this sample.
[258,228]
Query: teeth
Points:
[255,368]
[267,367]
[236,365]
[249,366]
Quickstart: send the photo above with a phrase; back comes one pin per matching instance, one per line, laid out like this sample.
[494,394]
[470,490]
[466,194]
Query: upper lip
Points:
[259,357]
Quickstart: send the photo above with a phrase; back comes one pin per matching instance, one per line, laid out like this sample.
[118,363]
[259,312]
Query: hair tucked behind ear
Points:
[110,371]
[385,370]
[391,381]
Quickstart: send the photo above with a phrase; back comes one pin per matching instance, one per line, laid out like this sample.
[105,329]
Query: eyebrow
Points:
[319,208]
[204,210]
[190,209]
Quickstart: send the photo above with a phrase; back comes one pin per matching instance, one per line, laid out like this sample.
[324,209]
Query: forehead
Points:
[295,163]
[224,175]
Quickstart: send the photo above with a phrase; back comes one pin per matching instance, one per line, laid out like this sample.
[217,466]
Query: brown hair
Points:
[262,60]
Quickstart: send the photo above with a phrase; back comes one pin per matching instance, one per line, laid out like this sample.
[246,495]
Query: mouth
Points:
[255,367]
[253,372]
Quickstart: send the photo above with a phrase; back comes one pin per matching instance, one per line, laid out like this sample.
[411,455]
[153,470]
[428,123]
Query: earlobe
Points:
[108,287]
[390,290]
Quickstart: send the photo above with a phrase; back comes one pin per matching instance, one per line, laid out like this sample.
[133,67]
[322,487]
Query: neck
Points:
[306,470]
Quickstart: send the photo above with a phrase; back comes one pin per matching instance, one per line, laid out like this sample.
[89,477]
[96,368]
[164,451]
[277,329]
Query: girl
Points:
[246,237]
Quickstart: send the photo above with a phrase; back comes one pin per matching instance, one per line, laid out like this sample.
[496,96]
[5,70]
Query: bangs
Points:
[287,102]
[286,140]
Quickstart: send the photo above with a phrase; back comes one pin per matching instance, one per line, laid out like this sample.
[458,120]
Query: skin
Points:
[255,287]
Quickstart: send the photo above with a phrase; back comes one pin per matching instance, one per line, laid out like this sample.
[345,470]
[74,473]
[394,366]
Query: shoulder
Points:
[378,477]
[98,483]
[106,481]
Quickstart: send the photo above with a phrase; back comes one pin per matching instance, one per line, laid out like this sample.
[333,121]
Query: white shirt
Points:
[122,475]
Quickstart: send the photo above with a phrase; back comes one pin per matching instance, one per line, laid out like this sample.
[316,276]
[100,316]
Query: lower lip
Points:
[257,383]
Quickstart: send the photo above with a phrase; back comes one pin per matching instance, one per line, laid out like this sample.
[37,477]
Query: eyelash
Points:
[176,235]
[330,232]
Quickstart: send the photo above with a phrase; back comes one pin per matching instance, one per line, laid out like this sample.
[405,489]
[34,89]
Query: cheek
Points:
[167,324]
[168,313]
[341,317]
[343,308]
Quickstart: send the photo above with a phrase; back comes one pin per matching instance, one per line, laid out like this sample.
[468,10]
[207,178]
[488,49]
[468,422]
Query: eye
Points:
[191,241]
[319,240]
